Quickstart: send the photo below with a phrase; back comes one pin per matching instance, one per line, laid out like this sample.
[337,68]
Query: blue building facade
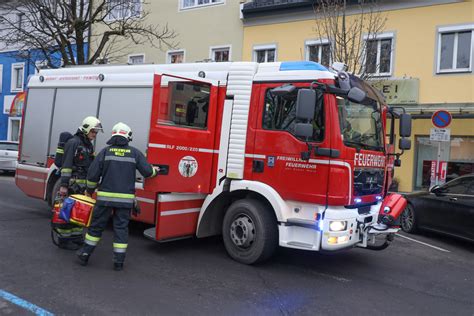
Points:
[15,69]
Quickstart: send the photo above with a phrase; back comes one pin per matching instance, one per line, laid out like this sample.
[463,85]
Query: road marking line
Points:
[423,243]
[24,304]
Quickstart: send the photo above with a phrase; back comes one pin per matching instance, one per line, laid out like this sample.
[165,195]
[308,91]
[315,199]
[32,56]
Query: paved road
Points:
[195,277]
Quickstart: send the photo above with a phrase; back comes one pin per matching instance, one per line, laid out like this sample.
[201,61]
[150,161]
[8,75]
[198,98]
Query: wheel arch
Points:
[52,178]
[411,205]
[216,205]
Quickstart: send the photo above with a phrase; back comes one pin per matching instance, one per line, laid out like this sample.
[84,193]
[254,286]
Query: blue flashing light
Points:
[320,225]
[378,198]
[357,200]
[301,65]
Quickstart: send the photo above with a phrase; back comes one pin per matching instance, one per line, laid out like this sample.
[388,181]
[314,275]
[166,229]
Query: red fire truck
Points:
[285,153]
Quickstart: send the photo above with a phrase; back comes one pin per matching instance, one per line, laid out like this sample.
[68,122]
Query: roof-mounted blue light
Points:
[301,65]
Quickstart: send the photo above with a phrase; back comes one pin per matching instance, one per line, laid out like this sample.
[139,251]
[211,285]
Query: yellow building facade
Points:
[206,30]
[432,44]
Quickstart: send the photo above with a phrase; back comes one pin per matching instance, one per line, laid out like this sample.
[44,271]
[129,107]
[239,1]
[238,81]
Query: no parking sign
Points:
[441,119]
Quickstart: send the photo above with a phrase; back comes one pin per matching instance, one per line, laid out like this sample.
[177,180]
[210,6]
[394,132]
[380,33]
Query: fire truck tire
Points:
[54,192]
[250,231]
[408,219]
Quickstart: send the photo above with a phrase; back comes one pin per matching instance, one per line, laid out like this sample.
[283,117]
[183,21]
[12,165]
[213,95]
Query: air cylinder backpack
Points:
[63,138]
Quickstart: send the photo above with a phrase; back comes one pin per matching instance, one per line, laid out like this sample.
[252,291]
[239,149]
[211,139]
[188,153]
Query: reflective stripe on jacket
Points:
[114,172]
[78,156]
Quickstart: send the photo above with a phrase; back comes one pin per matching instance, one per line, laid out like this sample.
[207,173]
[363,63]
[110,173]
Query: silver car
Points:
[8,156]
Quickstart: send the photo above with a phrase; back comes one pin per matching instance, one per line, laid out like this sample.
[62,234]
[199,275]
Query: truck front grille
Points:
[368,181]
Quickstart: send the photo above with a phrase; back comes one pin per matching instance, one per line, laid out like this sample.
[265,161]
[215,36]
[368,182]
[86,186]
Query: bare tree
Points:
[61,29]
[351,30]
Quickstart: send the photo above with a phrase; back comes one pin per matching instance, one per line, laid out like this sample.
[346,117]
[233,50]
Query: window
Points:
[470,190]
[455,49]
[14,131]
[319,51]
[457,153]
[187,4]
[220,54]
[360,124]
[264,54]
[136,59]
[122,9]
[188,103]
[378,55]
[175,57]
[9,146]
[279,114]
[18,70]
[458,186]
[1,78]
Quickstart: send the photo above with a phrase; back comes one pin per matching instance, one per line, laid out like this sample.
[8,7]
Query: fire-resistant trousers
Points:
[100,217]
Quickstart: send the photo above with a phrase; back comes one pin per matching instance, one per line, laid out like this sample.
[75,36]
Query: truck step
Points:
[150,233]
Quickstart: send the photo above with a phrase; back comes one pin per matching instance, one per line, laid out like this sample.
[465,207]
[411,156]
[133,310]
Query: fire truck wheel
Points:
[250,231]
[408,219]
[54,192]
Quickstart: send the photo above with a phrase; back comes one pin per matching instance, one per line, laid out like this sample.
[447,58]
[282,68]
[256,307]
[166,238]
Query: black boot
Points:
[118,266]
[83,257]
[68,244]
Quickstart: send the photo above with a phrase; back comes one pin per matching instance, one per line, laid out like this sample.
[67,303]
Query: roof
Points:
[143,75]
[258,8]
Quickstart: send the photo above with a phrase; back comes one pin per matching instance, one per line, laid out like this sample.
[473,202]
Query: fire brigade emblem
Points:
[188,166]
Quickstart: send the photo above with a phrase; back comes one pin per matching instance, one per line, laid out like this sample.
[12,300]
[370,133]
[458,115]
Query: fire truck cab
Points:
[285,153]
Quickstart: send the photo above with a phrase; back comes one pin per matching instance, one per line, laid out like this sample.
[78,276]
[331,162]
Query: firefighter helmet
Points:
[90,123]
[122,129]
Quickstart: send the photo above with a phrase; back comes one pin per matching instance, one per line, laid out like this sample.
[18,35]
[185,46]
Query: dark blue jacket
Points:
[78,156]
[114,172]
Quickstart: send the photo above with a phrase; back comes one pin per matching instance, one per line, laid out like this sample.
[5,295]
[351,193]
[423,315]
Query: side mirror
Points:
[405,125]
[305,104]
[435,189]
[304,130]
[404,144]
[356,95]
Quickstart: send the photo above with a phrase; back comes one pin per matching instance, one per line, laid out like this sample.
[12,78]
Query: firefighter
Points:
[78,156]
[113,172]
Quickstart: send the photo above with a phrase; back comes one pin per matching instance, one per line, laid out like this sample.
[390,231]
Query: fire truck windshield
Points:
[361,125]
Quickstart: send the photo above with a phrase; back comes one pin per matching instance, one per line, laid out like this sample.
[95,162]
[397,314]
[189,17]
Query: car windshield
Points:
[361,125]
[457,186]
[8,146]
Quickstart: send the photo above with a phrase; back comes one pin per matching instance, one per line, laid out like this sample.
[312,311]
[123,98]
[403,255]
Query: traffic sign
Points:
[441,119]
[440,134]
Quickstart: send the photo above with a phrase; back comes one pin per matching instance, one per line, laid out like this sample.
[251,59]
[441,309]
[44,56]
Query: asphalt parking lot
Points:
[417,275]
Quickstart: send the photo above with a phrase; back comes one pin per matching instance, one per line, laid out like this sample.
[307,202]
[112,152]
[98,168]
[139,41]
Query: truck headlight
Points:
[337,226]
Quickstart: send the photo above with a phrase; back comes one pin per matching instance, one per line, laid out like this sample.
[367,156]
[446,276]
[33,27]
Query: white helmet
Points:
[90,123]
[122,129]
